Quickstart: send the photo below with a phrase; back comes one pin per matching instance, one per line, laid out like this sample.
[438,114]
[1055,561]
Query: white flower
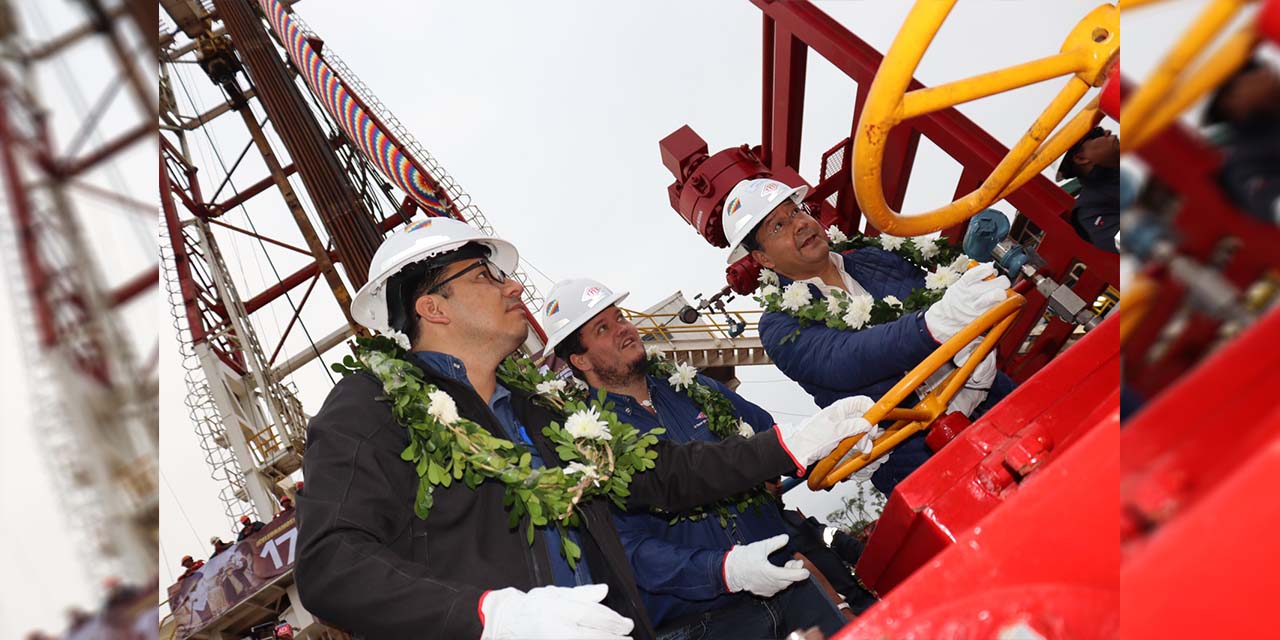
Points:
[928,248]
[654,352]
[442,408]
[835,234]
[941,278]
[768,290]
[745,429]
[892,301]
[960,264]
[587,424]
[796,296]
[859,311]
[833,306]
[551,387]
[400,338]
[767,276]
[683,377]
[588,471]
[891,243]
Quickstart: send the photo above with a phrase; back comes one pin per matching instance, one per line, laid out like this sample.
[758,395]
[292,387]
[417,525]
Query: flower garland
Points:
[721,421]
[839,310]
[601,452]
[556,394]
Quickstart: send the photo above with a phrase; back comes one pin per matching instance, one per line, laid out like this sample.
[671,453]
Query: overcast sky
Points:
[549,115]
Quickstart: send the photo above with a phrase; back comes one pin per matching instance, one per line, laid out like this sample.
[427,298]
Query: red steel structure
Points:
[61,158]
[1000,528]
[790,31]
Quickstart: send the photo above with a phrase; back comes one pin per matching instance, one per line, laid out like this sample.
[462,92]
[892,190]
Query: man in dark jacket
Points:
[1248,105]
[765,218]
[1095,162]
[248,527]
[367,563]
[696,577]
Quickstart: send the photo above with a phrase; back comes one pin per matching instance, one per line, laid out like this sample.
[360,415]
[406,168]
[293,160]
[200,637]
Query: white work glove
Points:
[964,301]
[548,613]
[985,373]
[747,568]
[814,438]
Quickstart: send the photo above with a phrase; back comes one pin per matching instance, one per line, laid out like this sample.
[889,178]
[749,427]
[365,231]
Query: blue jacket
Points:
[834,363]
[680,568]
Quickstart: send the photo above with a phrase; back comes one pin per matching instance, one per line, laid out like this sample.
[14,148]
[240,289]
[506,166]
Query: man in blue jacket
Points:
[765,218]
[698,578]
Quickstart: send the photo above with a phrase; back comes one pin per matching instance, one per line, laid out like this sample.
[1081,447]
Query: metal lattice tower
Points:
[243,272]
[94,398]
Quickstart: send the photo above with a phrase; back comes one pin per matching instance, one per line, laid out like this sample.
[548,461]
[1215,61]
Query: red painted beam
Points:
[148,280]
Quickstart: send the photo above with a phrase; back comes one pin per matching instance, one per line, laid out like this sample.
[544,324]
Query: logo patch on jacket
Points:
[701,420]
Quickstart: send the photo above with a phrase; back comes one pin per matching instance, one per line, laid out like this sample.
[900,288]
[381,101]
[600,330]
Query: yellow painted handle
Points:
[1085,56]
[1171,88]
[998,319]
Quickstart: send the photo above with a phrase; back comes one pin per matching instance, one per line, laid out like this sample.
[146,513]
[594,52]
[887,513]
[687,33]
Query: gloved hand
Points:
[985,373]
[747,568]
[966,400]
[814,438]
[551,613]
[964,301]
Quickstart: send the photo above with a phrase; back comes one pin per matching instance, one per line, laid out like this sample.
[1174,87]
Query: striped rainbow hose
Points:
[361,125]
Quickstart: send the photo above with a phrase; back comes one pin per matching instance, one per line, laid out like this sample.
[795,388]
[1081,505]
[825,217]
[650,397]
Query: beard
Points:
[623,374]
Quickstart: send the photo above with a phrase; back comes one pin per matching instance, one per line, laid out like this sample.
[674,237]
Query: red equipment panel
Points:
[1043,560]
[1200,468]
[993,460]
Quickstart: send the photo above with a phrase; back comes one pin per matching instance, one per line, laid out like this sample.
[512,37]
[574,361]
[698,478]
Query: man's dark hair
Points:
[571,346]
[1213,113]
[415,280]
[1067,169]
[751,242]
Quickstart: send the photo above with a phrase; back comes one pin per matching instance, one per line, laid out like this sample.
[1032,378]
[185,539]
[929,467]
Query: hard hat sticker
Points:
[553,307]
[592,295]
[770,191]
[421,225]
[732,207]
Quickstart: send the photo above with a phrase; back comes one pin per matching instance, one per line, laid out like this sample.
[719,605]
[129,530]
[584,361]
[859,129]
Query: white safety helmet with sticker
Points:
[419,241]
[571,304]
[747,205]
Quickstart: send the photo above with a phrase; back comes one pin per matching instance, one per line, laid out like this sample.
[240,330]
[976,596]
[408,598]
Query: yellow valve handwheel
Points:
[1171,89]
[1085,56]
[998,319]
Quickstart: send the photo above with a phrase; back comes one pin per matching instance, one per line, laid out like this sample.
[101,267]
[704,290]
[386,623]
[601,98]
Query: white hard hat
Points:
[571,304]
[746,207]
[421,240]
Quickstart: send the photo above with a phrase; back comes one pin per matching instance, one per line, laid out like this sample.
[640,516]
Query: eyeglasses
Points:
[493,273]
[784,221]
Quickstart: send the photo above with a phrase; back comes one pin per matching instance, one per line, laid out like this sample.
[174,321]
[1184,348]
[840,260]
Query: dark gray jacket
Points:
[367,564]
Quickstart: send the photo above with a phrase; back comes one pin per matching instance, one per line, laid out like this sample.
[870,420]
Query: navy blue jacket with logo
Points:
[680,568]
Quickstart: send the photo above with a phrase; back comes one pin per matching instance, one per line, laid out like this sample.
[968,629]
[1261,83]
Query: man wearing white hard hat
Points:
[769,220]
[704,577]
[368,563]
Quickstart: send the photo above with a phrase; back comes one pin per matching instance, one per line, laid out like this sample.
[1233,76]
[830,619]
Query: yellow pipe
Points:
[1003,312]
[1134,305]
[1086,53]
[1224,62]
[1148,98]
[935,400]
[930,99]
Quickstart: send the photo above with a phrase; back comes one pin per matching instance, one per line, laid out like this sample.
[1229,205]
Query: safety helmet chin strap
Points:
[400,301]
